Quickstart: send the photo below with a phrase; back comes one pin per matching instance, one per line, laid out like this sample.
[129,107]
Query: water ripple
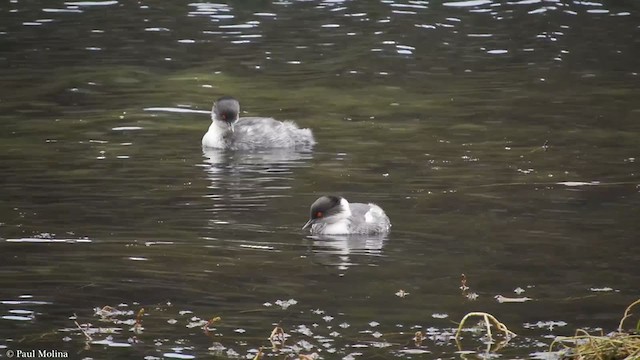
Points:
[91,3]
[470,3]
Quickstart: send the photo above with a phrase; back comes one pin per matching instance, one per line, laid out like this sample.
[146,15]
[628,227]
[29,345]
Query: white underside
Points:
[337,228]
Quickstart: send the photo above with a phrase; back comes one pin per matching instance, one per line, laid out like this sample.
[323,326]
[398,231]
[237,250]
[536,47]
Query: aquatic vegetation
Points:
[315,337]
[207,327]
[277,337]
[617,345]
[137,326]
[312,333]
[488,319]
[108,312]
[470,295]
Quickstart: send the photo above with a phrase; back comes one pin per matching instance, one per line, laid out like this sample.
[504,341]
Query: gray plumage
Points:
[335,215]
[227,131]
[263,133]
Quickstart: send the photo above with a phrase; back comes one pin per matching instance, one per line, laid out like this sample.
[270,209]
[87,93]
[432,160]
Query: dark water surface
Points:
[437,111]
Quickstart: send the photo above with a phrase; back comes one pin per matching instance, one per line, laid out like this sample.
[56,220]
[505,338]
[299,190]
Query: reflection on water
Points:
[345,251]
[501,137]
[270,160]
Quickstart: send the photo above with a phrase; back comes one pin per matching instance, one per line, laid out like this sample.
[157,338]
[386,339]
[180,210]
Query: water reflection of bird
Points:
[227,131]
[269,158]
[344,251]
[333,215]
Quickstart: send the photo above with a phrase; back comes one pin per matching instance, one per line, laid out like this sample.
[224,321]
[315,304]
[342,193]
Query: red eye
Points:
[223,116]
[319,214]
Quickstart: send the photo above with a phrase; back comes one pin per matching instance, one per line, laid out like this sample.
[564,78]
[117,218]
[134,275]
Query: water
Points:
[501,139]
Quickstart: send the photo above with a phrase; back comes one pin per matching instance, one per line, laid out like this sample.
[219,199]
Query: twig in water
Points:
[259,354]
[84,332]
[463,283]
[209,323]
[137,327]
[418,338]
